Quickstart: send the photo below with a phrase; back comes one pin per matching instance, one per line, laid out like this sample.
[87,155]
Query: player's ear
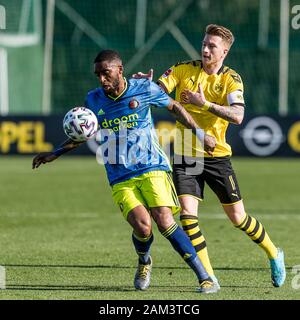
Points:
[225,51]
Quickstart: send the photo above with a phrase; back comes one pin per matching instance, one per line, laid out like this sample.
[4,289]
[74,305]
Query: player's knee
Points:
[184,211]
[143,229]
[236,217]
[163,218]
[236,212]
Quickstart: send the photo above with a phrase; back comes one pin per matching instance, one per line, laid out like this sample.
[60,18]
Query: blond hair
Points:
[222,32]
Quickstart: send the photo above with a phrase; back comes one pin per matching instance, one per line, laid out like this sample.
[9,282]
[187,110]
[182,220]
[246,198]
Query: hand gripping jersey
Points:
[129,143]
[224,88]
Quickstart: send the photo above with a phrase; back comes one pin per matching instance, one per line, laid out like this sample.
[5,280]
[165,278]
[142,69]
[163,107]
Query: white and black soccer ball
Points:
[80,124]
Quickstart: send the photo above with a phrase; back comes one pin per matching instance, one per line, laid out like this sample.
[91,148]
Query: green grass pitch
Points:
[62,237]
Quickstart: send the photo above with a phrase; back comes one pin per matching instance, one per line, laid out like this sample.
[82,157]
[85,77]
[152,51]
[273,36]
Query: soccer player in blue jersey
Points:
[137,168]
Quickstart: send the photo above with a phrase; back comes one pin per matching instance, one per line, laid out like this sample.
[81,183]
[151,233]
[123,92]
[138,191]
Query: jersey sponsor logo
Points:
[133,103]
[167,73]
[114,125]
[101,112]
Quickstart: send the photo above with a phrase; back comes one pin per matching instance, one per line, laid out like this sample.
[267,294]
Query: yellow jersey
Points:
[224,88]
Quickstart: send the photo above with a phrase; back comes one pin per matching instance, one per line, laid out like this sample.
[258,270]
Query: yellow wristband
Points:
[206,106]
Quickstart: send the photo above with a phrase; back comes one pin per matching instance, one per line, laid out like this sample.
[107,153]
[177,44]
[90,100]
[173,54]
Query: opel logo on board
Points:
[262,136]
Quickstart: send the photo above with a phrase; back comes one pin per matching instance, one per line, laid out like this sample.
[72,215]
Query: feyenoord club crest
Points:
[133,103]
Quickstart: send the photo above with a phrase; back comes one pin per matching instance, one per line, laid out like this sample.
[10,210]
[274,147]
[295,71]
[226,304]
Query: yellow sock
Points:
[191,227]
[257,233]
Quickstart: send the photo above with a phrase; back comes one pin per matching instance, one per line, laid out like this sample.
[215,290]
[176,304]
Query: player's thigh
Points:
[188,182]
[158,190]
[127,196]
[221,178]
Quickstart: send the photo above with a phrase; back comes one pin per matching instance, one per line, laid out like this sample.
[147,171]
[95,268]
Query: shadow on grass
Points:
[87,288]
[51,287]
[130,267]
[67,266]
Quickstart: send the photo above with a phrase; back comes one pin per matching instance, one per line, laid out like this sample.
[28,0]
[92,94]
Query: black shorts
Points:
[190,176]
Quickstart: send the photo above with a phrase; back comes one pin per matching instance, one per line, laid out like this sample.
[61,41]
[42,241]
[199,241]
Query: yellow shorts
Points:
[151,189]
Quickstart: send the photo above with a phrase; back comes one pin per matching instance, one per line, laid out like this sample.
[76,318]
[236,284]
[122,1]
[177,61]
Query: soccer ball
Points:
[80,124]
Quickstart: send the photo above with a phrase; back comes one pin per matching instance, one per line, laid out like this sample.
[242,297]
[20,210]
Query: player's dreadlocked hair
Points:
[108,55]
[222,32]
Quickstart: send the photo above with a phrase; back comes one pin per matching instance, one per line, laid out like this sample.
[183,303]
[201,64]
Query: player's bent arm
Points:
[233,113]
[187,120]
[45,157]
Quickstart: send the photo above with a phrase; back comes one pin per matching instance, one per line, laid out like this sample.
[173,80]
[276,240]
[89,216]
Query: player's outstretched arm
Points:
[187,120]
[42,157]
[45,157]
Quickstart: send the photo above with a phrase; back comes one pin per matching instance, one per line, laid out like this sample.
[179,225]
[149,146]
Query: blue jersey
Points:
[129,143]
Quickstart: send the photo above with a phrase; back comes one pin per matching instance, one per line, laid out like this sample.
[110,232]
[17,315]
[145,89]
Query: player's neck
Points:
[212,68]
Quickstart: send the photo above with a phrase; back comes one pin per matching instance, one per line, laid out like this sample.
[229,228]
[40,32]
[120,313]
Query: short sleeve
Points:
[158,97]
[235,90]
[235,83]
[171,78]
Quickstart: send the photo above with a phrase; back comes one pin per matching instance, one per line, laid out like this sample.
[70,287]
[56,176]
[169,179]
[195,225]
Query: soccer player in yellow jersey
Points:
[213,94]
